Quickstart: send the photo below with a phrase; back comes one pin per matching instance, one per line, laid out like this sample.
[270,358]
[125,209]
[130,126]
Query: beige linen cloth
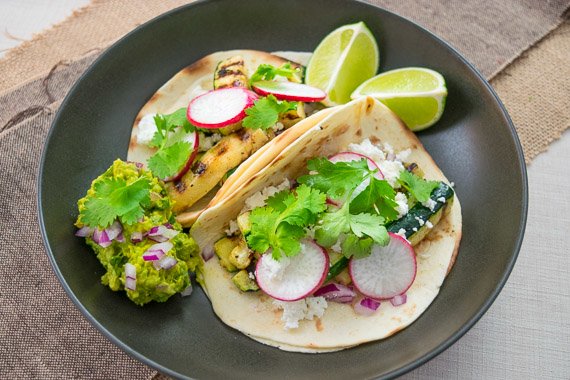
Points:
[523,45]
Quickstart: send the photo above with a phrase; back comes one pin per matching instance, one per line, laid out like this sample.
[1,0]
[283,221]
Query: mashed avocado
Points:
[151,284]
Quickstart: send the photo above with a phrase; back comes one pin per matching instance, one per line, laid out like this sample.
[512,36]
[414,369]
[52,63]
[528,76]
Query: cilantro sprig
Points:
[113,198]
[170,156]
[269,72]
[281,224]
[265,112]
[418,187]
[359,222]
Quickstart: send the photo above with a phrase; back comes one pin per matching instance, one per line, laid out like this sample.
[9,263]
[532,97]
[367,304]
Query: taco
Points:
[220,155]
[345,237]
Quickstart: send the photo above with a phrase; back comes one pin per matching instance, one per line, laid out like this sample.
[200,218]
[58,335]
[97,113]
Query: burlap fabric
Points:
[42,335]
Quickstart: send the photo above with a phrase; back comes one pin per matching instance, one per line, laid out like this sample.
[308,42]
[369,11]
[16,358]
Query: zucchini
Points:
[230,72]
[223,249]
[240,256]
[415,230]
[243,223]
[244,283]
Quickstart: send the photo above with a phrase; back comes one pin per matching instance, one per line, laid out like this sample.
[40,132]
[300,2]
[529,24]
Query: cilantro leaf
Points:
[168,161]
[354,246]
[269,72]
[418,187]
[178,119]
[370,225]
[335,179]
[265,112]
[280,225]
[166,123]
[333,224]
[113,198]
[378,196]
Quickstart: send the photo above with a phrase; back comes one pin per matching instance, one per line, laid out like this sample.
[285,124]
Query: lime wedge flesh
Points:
[416,95]
[344,59]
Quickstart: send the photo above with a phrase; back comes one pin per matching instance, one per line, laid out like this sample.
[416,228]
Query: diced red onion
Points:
[186,292]
[100,237]
[137,237]
[162,233]
[207,253]
[131,276]
[157,251]
[114,230]
[137,164]
[399,300]
[336,293]
[366,306]
[84,232]
[120,238]
[166,262]
[158,238]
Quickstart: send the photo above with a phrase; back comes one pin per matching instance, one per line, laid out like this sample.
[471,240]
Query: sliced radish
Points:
[194,139]
[351,156]
[388,272]
[289,91]
[291,279]
[219,108]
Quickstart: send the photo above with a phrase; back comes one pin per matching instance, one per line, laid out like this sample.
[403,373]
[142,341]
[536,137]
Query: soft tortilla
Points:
[191,82]
[340,327]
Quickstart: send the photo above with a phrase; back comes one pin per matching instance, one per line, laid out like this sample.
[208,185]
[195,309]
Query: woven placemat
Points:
[43,335]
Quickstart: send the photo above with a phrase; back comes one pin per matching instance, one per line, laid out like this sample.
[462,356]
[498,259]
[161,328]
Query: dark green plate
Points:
[475,145]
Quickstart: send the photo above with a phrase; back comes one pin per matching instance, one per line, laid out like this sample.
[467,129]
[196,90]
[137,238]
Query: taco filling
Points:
[311,240]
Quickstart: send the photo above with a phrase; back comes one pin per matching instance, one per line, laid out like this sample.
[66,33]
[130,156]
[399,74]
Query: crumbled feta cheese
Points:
[369,150]
[403,155]
[296,311]
[146,129]
[258,199]
[391,171]
[429,224]
[388,149]
[415,229]
[232,228]
[452,184]
[420,220]
[251,275]
[275,268]
[441,199]
[207,142]
[430,203]
[278,127]
[402,202]
[401,232]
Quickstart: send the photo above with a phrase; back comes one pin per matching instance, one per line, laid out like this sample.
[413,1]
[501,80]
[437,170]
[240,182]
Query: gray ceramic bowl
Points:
[475,144]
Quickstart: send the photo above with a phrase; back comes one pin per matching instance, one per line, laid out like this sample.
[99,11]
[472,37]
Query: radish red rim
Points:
[284,90]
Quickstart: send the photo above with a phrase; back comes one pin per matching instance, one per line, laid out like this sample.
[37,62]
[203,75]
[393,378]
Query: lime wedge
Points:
[417,95]
[344,59]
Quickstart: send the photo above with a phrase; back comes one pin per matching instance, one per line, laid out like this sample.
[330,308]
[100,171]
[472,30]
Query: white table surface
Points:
[526,333]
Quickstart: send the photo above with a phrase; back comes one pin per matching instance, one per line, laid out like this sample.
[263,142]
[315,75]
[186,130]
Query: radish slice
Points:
[289,91]
[351,156]
[291,279]
[219,108]
[194,140]
[388,272]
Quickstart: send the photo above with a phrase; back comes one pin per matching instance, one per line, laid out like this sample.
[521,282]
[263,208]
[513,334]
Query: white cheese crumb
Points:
[278,127]
[146,129]
[401,232]
[369,150]
[420,220]
[276,269]
[452,184]
[402,202]
[430,203]
[307,308]
[441,199]
[429,224]
[415,229]
[388,149]
[403,155]
[207,142]
[232,228]
[391,171]
[258,199]
[251,275]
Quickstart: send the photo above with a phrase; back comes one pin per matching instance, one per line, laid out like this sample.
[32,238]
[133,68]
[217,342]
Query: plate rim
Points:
[453,338]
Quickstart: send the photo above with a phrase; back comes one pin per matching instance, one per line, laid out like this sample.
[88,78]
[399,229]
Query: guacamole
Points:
[106,196]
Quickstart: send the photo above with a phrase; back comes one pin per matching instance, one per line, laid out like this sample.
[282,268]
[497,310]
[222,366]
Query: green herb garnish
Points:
[269,72]
[265,112]
[420,188]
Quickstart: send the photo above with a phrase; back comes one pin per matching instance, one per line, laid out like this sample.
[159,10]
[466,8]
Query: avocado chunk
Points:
[244,283]
[243,223]
[223,249]
[240,255]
